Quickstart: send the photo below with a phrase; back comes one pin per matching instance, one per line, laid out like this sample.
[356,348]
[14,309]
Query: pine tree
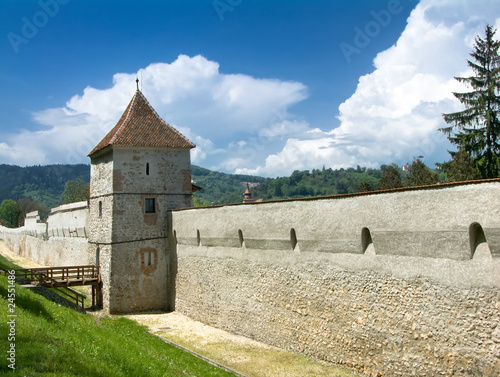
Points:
[390,179]
[461,168]
[477,128]
[419,174]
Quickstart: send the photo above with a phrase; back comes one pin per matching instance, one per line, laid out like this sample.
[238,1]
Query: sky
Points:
[261,87]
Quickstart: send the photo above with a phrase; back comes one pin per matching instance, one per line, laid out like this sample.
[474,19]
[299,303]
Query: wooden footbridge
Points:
[63,278]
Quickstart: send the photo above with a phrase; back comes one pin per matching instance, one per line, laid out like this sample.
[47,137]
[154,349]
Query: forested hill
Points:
[319,182]
[220,188]
[44,184]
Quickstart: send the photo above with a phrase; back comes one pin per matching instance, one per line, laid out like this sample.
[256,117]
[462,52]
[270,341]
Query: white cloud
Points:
[242,124]
[395,112]
[209,106]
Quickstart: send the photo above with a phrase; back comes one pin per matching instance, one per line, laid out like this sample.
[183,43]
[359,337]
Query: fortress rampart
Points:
[61,241]
[399,283]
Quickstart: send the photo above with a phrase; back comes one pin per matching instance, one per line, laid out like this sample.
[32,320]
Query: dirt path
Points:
[241,354]
[244,355]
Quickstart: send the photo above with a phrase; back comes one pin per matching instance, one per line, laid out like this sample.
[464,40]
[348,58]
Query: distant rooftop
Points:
[141,126]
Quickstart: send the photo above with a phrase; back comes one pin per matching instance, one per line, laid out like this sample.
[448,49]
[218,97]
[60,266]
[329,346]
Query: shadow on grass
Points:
[26,302]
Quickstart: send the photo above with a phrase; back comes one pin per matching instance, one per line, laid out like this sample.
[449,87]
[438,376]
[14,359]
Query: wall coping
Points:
[356,194]
[31,215]
[69,207]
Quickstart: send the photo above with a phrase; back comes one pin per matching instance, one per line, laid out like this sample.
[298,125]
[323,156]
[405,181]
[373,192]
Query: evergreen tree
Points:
[477,128]
[390,179]
[419,174]
[364,186]
[461,168]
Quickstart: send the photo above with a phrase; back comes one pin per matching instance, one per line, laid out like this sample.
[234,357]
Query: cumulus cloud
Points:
[210,107]
[395,112]
[243,124]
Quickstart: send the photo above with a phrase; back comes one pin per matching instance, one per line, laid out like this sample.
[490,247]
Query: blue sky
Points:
[262,87]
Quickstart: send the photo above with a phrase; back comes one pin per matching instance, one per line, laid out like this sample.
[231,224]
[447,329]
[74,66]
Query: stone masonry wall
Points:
[373,322]
[132,243]
[395,284]
[61,241]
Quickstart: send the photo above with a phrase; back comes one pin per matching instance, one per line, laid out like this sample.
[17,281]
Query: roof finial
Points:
[137,82]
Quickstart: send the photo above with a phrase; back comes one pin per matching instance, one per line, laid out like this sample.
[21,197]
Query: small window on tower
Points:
[100,208]
[149,205]
[147,168]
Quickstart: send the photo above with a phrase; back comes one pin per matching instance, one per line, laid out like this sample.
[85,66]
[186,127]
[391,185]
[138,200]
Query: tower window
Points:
[149,205]
[147,168]
[100,208]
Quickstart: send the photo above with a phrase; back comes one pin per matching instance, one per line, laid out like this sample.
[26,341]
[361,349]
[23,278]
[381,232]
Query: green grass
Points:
[7,264]
[52,340]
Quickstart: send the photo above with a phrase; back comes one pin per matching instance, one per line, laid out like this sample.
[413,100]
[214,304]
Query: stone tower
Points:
[139,171]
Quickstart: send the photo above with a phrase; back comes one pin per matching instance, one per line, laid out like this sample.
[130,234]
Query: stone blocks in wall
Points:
[366,320]
[138,278]
[388,283]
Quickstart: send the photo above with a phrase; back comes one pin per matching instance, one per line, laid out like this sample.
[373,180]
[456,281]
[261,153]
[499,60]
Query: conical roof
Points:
[141,126]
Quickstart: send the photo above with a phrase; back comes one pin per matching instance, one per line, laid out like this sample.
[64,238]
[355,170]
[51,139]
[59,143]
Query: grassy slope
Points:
[52,340]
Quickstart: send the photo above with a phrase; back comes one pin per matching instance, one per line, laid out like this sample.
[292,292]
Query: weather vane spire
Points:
[137,82]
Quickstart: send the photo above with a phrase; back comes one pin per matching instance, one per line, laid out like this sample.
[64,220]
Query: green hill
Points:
[45,184]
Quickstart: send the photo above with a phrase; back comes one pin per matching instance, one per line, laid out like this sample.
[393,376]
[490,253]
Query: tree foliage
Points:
[419,174]
[27,205]
[476,130]
[365,186]
[391,178]
[10,214]
[197,202]
[43,184]
[461,167]
[75,190]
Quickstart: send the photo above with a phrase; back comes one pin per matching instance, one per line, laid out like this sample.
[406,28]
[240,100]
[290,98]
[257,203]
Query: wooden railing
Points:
[70,275]
[62,278]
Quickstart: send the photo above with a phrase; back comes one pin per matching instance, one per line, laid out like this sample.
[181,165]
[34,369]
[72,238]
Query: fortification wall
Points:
[398,283]
[61,241]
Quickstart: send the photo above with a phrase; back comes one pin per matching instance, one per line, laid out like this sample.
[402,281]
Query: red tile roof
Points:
[141,126]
